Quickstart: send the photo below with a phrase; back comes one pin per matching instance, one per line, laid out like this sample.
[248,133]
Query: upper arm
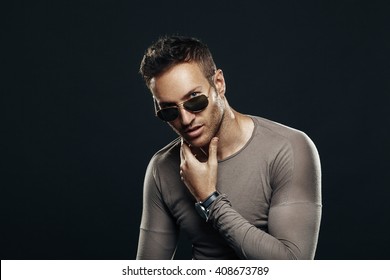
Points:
[296,172]
[158,233]
[295,212]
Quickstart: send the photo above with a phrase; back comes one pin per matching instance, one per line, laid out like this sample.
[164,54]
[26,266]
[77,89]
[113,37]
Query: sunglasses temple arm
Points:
[155,106]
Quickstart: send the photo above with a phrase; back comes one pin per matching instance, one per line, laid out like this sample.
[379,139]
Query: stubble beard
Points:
[212,129]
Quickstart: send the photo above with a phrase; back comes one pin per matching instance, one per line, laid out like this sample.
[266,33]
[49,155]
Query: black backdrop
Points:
[78,127]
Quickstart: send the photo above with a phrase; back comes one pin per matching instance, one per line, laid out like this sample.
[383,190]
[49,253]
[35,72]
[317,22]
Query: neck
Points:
[235,131]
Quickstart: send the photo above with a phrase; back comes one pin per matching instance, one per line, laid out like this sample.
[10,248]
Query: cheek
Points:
[217,108]
[213,116]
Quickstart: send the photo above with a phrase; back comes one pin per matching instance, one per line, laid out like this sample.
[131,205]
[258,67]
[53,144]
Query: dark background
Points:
[78,127]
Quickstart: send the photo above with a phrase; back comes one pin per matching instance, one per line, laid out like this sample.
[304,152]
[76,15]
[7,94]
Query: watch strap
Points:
[209,200]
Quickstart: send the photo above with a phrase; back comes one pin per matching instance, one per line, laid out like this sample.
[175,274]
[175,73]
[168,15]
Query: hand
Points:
[199,177]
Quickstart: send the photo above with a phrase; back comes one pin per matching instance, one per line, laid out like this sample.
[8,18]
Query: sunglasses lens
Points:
[168,114]
[196,104]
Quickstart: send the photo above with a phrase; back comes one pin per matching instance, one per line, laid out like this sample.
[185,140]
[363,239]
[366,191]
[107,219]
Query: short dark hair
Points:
[169,51]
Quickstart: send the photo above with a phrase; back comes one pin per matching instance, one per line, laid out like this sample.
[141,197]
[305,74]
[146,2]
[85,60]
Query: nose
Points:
[186,117]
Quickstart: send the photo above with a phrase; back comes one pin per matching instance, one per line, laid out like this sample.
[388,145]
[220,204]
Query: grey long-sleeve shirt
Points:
[270,207]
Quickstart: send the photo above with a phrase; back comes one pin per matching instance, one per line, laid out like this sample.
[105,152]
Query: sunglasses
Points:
[194,105]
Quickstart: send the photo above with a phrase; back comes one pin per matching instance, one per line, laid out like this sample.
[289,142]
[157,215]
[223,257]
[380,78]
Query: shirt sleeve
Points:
[294,214]
[158,231]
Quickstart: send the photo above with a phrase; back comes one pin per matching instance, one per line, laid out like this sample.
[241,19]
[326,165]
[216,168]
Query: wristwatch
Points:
[203,208]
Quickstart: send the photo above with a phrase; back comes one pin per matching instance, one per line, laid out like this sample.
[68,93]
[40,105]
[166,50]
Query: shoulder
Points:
[295,165]
[166,157]
[162,166]
[288,148]
[282,135]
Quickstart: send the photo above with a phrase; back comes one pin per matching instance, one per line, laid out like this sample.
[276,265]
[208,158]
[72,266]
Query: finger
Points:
[193,150]
[182,157]
[186,150]
[213,148]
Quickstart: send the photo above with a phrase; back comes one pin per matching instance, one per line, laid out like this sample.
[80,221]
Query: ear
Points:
[219,82]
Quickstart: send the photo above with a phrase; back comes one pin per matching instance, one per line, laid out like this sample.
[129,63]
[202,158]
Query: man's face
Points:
[181,83]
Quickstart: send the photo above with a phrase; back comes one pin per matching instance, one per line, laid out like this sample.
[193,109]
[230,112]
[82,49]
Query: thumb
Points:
[213,148]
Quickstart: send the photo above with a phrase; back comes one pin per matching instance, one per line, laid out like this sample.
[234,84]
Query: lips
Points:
[195,131]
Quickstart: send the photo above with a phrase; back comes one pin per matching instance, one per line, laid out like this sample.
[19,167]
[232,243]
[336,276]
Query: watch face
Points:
[201,211]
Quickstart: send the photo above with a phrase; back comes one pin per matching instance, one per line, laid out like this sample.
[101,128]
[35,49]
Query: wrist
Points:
[203,207]
[205,195]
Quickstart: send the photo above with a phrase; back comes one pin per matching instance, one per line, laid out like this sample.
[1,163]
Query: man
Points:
[240,186]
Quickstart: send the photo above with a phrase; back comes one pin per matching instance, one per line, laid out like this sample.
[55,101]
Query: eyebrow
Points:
[186,97]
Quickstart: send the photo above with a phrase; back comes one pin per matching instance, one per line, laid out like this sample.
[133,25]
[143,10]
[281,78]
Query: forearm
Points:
[282,241]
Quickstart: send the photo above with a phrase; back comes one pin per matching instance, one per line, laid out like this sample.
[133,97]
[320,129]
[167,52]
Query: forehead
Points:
[175,83]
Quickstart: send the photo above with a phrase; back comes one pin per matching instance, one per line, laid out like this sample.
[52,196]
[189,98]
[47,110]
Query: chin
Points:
[199,142]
